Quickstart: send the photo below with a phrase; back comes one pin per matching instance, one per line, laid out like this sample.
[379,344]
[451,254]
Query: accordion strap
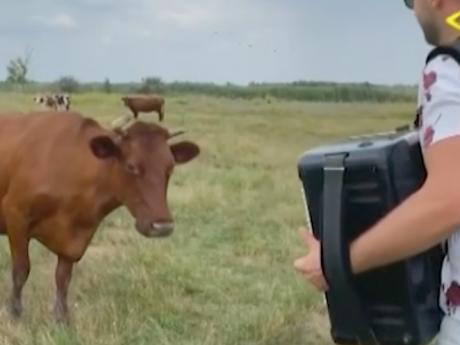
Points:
[335,258]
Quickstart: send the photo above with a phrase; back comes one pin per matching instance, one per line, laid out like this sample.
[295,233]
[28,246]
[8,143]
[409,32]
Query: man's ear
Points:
[184,151]
[104,147]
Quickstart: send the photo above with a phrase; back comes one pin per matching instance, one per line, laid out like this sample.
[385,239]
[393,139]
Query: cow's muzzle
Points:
[155,229]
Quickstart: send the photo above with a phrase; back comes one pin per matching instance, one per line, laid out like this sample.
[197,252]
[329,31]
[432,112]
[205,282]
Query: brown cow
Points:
[145,104]
[60,176]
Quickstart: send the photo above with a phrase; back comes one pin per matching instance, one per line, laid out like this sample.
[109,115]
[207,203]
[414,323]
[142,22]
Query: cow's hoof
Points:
[61,316]
[15,309]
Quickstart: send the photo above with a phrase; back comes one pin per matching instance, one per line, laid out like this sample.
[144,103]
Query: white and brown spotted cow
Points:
[54,101]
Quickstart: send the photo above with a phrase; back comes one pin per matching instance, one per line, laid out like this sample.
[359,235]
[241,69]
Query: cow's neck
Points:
[109,201]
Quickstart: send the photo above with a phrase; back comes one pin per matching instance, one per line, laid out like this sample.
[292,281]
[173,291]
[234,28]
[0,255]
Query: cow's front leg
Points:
[18,237]
[63,276]
[19,248]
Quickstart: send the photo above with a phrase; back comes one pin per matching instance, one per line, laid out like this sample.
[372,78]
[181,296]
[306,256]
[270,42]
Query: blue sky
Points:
[215,40]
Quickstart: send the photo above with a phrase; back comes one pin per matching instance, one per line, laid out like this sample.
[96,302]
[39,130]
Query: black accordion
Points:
[347,187]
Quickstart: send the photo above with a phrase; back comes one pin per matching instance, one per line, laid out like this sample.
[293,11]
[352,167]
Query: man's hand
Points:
[310,265]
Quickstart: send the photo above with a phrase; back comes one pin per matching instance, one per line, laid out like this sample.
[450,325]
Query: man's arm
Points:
[432,213]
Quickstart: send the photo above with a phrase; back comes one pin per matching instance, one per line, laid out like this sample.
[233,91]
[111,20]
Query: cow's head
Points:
[126,100]
[143,162]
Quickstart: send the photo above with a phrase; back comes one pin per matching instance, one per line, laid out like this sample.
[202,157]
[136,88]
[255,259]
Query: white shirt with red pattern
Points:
[439,111]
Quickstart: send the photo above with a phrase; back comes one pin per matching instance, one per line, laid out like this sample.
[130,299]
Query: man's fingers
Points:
[307,237]
[321,287]
[299,264]
[319,282]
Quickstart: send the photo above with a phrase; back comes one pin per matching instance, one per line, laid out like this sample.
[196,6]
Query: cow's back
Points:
[46,151]
[144,103]
[13,129]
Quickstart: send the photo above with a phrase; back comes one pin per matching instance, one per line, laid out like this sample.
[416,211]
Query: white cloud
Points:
[157,20]
[190,18]
[106,40]
[212,20]
[63,20]
[59,20]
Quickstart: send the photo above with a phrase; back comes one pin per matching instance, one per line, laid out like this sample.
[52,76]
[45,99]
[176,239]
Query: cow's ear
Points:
[104,147]
[184,151]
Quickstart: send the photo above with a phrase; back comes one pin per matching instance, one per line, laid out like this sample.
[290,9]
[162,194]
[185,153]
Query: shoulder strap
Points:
[453,51]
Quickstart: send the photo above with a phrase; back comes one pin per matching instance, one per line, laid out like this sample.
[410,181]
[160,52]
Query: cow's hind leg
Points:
[63,276]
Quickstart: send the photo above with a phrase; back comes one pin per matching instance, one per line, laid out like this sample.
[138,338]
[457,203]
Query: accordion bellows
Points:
[348,186]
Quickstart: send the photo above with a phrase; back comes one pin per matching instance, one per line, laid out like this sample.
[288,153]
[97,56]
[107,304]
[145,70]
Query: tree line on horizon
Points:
[314,91]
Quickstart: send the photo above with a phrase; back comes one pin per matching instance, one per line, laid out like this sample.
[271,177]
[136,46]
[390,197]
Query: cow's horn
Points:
[175,133]
[122,123]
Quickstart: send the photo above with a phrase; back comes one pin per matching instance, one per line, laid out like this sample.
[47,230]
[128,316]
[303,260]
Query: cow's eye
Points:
[132,168]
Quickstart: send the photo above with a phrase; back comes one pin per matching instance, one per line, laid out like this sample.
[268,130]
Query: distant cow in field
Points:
[55,101]
[145,104]
[63,101]
[64,174]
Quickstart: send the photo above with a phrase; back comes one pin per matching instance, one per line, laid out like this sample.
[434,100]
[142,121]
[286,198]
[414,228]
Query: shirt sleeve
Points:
[440,93]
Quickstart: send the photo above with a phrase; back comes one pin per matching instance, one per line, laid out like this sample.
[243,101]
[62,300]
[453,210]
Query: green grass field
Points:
[226,275]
